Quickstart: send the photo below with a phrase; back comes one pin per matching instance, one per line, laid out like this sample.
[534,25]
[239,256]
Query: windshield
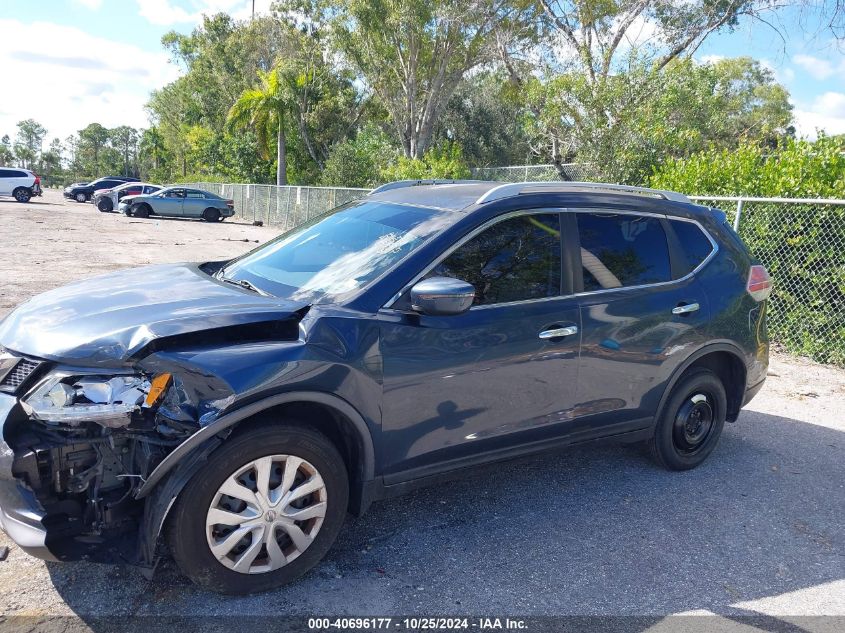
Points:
[338,253]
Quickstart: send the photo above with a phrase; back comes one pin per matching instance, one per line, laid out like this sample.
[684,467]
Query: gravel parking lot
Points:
[758,530]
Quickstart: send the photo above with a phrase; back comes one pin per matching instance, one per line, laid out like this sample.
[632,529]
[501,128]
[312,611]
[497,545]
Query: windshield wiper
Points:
[243,283]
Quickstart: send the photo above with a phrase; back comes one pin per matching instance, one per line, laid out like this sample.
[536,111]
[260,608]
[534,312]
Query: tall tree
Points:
[264,109]
[414,53]
[92,141]
[29,141]
[7,155]
[599,75]
[125,140]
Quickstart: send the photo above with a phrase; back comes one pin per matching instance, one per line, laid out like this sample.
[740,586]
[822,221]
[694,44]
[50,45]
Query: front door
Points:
[170,204]
[464,388]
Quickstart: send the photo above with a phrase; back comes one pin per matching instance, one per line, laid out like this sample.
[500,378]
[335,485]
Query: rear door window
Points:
[693,242]
[619,250]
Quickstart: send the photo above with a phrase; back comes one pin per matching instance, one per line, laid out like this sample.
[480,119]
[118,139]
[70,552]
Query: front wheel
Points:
[22,194]
[105,205]
[691,421]
[140,210]
[264,510]
[81,197]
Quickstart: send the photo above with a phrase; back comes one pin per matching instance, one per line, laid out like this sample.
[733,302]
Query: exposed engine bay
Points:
[88,446]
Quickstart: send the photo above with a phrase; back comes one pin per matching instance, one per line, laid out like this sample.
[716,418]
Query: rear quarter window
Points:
[693,242]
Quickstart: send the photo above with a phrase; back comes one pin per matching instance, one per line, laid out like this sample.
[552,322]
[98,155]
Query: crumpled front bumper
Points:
[20,512]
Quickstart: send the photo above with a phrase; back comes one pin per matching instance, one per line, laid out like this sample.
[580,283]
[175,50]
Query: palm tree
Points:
[263,109]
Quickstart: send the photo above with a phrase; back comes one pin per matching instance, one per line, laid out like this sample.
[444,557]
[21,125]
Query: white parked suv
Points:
[22,184]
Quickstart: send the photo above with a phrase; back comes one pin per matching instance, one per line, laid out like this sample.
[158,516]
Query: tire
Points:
[211,215]
[127,212]
[691,421]
[105,205]
[22,194]
[140,211]
[191,534]
[81,197]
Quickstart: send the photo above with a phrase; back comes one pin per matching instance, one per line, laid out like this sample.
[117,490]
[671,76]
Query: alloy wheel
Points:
[266,514]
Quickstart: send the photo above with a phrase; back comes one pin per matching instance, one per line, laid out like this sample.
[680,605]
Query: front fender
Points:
[230,419]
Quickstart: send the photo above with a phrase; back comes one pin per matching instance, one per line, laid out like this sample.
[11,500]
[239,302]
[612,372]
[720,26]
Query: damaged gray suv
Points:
[230,414]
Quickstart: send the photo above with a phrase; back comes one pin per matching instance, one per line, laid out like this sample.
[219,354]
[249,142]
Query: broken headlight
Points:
[106,400]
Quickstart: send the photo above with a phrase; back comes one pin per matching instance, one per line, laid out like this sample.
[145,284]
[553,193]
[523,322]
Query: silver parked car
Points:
[108,199]
[179,202]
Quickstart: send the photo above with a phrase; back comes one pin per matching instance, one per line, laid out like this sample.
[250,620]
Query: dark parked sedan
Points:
[240,408]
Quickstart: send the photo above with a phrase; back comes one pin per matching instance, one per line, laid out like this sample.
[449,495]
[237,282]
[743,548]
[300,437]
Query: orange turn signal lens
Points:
[158,387]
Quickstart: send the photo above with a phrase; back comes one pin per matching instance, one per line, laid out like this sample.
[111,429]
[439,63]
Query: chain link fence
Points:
[802,244]
[284,207]
[577,172]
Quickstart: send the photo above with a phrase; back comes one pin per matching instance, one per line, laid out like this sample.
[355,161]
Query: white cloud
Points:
[73,78]
[167,12]
[818,68]
[827,113]
[712,59]
[89,4]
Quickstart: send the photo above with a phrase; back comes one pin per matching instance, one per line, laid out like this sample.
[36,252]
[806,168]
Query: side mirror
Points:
[442,296]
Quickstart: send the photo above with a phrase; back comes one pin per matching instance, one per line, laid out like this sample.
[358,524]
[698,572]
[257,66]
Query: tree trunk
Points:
[281,156]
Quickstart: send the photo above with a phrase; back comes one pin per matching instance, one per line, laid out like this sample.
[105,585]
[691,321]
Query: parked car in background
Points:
[107,199]
[19,183]
[240,408]
[179,202]
[84,192]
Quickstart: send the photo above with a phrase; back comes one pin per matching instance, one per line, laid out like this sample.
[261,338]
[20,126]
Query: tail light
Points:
[230,204]
[759,284]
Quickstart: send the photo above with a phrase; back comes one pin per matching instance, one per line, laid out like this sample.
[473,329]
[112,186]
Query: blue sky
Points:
[98,60]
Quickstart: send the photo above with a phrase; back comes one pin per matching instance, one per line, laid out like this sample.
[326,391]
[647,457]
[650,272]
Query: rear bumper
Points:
[20,512]
[752,391]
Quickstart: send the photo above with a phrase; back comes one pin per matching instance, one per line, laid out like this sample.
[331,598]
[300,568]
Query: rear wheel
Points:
[22,194]
[211,215]
[691,421]
[264,510]
[105,205]
[81,197]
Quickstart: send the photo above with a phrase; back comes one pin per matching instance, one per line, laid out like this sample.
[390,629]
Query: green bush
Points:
[444,161]
[802,245]
[359,162]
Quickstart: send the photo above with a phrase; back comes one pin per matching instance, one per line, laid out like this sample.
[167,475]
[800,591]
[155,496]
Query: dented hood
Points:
[111,318]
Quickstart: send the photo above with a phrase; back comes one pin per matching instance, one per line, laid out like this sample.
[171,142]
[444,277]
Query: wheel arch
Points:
[725,359]
[348,425]
[168,479]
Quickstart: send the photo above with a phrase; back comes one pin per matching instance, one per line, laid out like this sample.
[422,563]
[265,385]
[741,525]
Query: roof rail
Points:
[400,184]
[516,188]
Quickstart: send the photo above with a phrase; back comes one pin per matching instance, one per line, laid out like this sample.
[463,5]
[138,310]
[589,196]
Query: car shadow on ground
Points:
[598,530]
[156,218]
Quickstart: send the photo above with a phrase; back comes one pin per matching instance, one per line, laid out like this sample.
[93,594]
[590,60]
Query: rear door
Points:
[642,312]
[463,388]
[195,203]
[6,176]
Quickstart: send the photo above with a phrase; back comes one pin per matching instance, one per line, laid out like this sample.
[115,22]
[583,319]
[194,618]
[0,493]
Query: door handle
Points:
[686,308]
[559,332]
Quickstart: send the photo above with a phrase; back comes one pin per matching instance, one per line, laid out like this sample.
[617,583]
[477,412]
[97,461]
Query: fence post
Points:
[738,214]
